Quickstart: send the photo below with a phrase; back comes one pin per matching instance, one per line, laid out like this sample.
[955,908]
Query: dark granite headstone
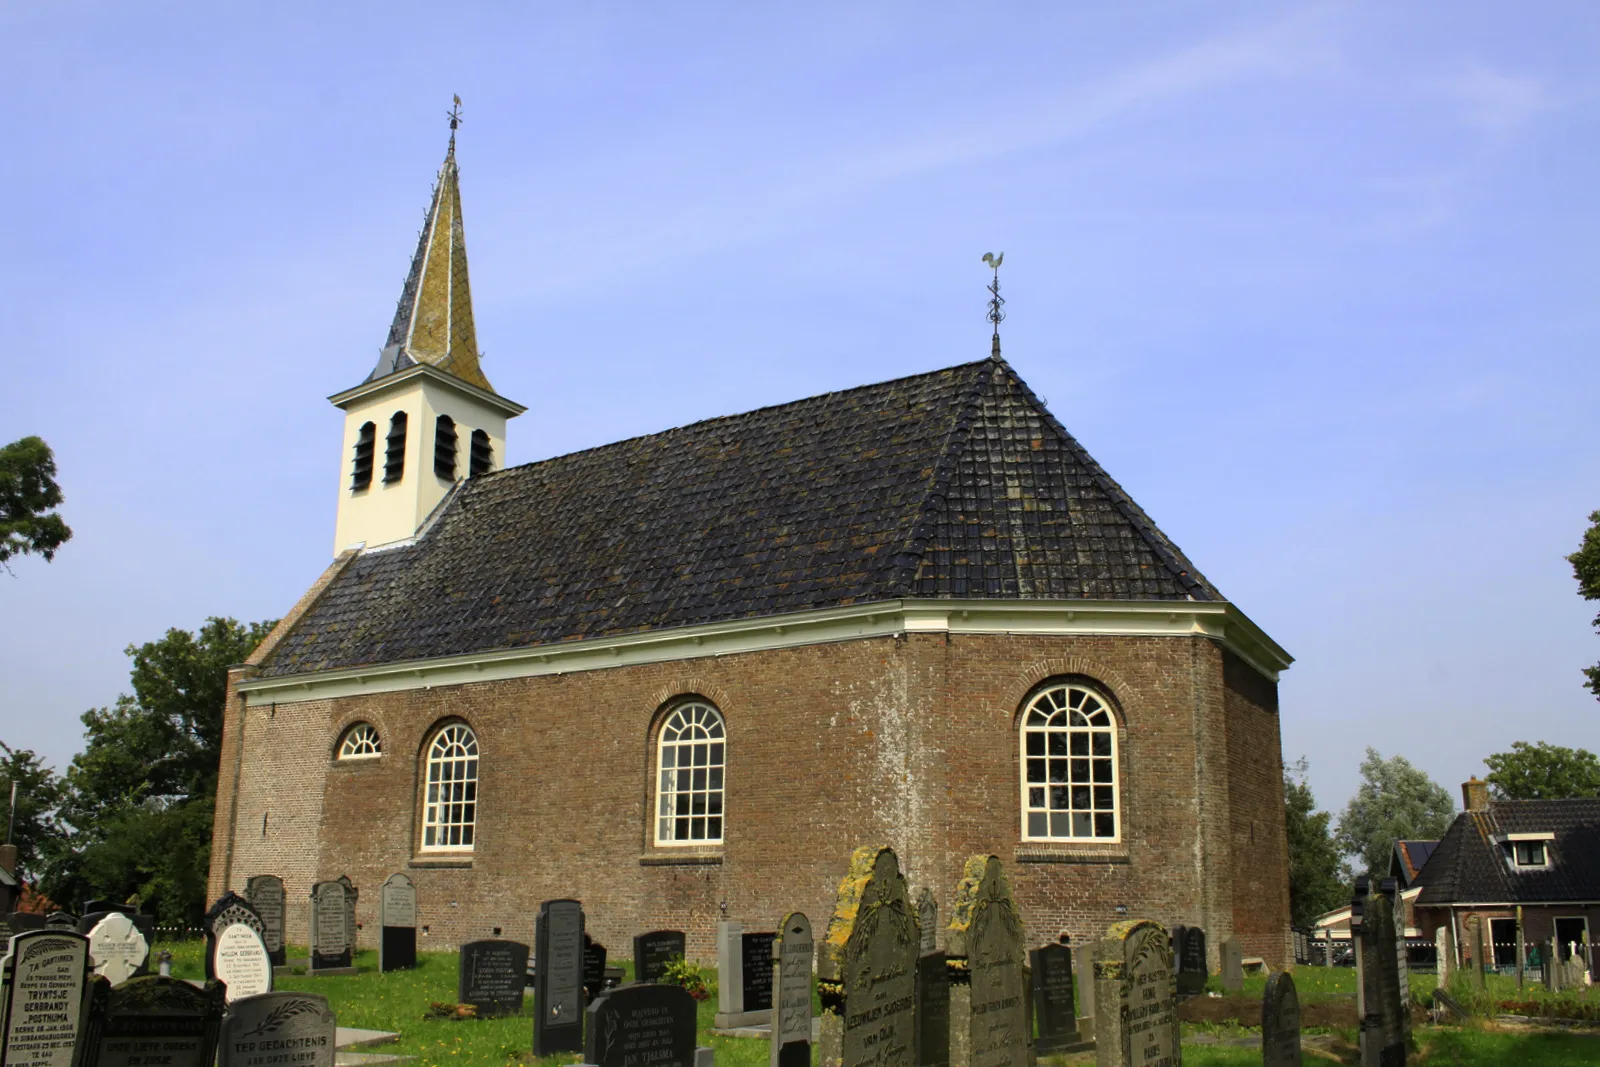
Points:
[1175,940]
[791,1015]
[265,893]
[867,966]
[492,976]
[933,1010]
[332,936]
[102,907]
[594,967]
[46,976]
[756,970]
[1378,1003]
[652,951]
[1136,1021]
[989,991]
[641,1025]
[1054,1008]
[1192,967]
[397,923]
[156,1020]
[558,986]
[61,920]
[1280,1023]
[19,921]
[277,1030]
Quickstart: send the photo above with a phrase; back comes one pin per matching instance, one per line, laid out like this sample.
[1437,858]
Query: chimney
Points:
[1475,795]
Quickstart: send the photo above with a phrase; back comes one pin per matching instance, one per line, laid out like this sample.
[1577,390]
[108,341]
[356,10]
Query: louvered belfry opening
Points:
[482,453]
[366,446]
[394,454]
[444,447]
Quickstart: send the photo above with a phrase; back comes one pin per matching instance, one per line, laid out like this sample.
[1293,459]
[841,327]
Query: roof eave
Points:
[425,370]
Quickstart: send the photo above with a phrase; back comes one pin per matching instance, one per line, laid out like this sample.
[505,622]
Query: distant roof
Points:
[1408,859]
[1470,864]
[956,483]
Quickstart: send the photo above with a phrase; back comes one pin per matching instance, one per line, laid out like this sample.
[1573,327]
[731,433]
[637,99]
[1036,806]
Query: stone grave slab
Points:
[351,895]
[117,948]
[492,976]
[1232,966]
[1136,1023]
[641,1025]
[1084,962]
[558,982]
[933,1010]
[240,961]
[867,966]
[791,1015]
[1378,1000]
[230,909]
[744,977]
[397,923]
[989,992]
[46,976]
[1193,969]
[278,1029]
[332,936]
[18,921]
[1445,952]
[1054,1006]
[652,952]
[265,894]
[157,1020]
[928,920]
[594,968]
[1280,1022]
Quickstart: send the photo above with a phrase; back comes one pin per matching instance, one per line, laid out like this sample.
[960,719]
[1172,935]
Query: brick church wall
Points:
[1258,831]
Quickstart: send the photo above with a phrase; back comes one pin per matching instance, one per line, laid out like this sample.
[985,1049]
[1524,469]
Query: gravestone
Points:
[988,991]
[744,976]
[1378,1003]
[1280,1022]
[1475,936]
[156,1020]
[265,894]
[1054,1010]
[1136,1023]
[276,1030]
[1232,966]
[332,937]
[1086,991]
[594,967]
[652,952]
[241,962]
[45,1008]
[351,895]
[867,967]
[1445,951]
[933,1010]
[397,924]
[61,920]
[558,983]
[1402,961]
[19,921]
[928,920]
[492,976]
[117,949]
[791,1022]
[230,910]
[1193,971]
[641,1025]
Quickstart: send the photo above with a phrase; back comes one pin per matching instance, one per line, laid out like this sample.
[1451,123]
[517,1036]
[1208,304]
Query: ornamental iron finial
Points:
[455,120]
[997,303]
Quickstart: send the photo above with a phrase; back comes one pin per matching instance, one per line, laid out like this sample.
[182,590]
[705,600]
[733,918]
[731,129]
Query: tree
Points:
[1317,875]
[1586,568]
[1543,772]
[35,830]
[28,491]
[1396,802]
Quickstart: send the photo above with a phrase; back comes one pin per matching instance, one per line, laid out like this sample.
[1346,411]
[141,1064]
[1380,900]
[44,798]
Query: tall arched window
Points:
[394,452]
[482,457]
[444,447]
[690,761]
[450,810]
[366,446]
[1069,766]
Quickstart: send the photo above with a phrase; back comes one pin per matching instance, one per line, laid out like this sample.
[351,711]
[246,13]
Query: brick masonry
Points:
[910,740]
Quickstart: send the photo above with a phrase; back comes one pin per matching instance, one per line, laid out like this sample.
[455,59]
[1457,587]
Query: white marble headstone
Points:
[116,948]
[242,962]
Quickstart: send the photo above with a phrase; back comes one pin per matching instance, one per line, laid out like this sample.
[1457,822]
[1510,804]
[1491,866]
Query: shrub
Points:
[681,972]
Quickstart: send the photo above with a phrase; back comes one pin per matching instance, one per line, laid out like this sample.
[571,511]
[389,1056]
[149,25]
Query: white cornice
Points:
[429,371]
[1219,621]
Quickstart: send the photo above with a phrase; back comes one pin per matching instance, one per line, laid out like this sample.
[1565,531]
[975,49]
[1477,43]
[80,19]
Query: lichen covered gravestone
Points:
[867,966]
[928,920]
[791,1023]
[1232,966]
[1136,1023]
[1280,1022]
[1378,999]
[988,994]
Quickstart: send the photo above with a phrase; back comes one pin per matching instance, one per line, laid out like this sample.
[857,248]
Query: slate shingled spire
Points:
[433,323]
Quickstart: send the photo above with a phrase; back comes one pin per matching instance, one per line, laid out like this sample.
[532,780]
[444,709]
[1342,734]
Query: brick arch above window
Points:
[689,689]
[1026,682]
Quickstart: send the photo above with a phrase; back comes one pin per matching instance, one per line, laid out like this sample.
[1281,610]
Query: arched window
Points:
[451,807]
[366,445]
[1069,766]
[690,761]
[360,742]
[394,452]
[444,447]
[482,453]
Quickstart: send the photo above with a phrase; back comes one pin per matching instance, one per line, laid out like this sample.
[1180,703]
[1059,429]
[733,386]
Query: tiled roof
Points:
[1471,865]
[1409,858]
[956,483]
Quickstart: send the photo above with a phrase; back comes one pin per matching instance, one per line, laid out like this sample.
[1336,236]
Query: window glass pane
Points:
[1058,770]
[1035,743]
[1077,784]
[1060,825]
[1058,743]
[1080,797]
[714,829]
[1059,799]
[1037,824]
[1036,796]
[1102,770]
[1080,744]
[716,779]
[1036,770]
[1080,770]
[1105,826]
[1102,797]
[1102,743]
[1081,825]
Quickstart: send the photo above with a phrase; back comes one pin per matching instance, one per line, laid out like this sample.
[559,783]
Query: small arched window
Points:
[366,446]
[1069,766]
[360,742]
[450,808]
[482,453]
[690,764]
[444,447]
[394,452]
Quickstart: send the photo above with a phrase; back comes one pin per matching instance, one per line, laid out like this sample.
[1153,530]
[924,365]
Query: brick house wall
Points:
[911,740]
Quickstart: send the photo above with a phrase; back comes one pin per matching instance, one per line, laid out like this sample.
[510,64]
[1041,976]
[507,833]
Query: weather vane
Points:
[455,113]
[997,303]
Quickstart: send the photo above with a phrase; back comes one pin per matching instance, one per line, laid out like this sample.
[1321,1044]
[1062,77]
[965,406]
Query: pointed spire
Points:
[997,302]
[433,323]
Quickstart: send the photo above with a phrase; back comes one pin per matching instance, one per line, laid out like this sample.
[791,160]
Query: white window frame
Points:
[360,741]
[450,785]
[694,731]
[1064,700]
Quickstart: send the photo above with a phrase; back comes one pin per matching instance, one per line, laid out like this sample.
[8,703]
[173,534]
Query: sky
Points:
[1315,283]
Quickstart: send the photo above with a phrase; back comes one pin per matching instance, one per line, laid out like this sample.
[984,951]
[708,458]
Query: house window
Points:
[394,453]
[1529,853]
[690,762]
[444,447]
[1069,766]
[451,808]
[482,454]
[360,742]
[366,445]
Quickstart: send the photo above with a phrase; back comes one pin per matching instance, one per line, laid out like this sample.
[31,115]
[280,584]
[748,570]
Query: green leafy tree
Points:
[1543,772]
[1317,875]
[1396,802]
[1586,568]
[28,491]
[140,796]
[35,829]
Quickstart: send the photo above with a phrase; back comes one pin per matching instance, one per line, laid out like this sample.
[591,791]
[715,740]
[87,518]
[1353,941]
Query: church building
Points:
[692,671]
